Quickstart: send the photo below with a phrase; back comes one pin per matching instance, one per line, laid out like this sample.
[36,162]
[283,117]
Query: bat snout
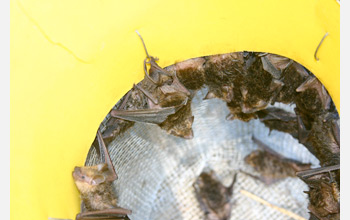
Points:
[189,135]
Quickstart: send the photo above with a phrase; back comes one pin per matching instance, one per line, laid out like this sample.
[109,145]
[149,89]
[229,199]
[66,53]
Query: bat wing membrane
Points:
[153,116]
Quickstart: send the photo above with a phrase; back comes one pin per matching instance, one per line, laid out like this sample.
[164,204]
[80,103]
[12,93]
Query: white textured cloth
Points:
[156,170]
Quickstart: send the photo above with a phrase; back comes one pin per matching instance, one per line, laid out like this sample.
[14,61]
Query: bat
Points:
[240,80]
[320,134]
[324,195]
[224,75]
[221,71]
[324,136]
[281,120]
[313,101]
[165,95]
[313,83]
[259,87]
[190,72]
[95,184]
[213,197]
[180,123]
[275,64]
[271,165]
[133,108]
[287,73]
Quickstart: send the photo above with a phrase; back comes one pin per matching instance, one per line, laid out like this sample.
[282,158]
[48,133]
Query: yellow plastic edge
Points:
[72,60]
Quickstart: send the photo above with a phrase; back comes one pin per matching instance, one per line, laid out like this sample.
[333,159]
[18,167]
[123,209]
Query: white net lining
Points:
[156,170]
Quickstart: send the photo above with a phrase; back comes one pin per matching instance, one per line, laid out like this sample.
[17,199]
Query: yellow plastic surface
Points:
[71,61]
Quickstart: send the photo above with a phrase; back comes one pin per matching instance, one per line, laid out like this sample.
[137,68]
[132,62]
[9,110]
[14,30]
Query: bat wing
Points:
[269,67]
[311,172]
[277,114]
[153,116]
[116,213]
[266,148]
[113,176]
[275,64]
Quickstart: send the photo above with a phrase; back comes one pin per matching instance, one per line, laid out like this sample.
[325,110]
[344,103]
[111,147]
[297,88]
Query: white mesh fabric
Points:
[156,170]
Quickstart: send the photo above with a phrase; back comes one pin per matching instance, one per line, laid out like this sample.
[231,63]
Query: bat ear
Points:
[98,179]
[102,167]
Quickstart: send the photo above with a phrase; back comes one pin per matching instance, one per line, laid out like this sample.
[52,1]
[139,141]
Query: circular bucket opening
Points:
[236,103]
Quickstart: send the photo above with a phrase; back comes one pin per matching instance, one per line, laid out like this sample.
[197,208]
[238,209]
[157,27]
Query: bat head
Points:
[204,178]
[254,158]
[301,166]
[88,178]
[184,130]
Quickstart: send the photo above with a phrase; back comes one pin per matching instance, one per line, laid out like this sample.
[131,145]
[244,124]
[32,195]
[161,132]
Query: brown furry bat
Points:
[95,184]
[214,198]
[271,165]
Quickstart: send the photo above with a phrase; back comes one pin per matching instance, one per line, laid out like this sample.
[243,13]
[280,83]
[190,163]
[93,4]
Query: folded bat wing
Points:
[153,116]
[117,213]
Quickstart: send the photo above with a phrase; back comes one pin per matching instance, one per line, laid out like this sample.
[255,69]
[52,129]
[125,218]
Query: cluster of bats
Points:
[215,199]
[248,82]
